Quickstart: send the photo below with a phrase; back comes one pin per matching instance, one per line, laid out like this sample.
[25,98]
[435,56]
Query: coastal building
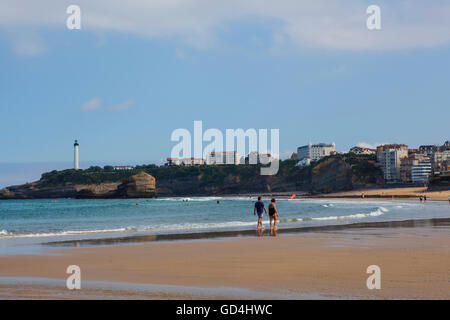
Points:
[185,161]
[361,150]
[390,156]
[406,166]
[421,172]
[428,149]
[316,151]
[193,161]
[226,157]
[257,158]
[440,161]
[76,164]
[445,146]
[407,163]
[123,167]
[294,156]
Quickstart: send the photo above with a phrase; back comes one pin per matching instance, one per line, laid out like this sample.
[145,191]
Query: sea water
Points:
[36,221]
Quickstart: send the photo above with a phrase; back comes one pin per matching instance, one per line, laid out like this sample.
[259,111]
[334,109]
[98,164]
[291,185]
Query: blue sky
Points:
[137,71]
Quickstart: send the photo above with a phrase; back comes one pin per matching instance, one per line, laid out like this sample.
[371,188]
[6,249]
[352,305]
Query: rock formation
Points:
[141,185]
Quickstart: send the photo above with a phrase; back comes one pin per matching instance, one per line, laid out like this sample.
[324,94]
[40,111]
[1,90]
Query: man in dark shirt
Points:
[259,209]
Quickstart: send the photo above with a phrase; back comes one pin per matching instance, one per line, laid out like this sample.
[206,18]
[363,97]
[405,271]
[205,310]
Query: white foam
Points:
[375,213]
[183,226]
[194,199]
[7,234]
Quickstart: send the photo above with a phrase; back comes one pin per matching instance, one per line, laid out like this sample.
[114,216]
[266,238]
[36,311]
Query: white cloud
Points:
[122,106]
[27,43]
[340,69]
[370,145]
[179,54]
[317,24]
[91,105]
[97,104]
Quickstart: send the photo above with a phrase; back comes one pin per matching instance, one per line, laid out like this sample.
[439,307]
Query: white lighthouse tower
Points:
[75,155]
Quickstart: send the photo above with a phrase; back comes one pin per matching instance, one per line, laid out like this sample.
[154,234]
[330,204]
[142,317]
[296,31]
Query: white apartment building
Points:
[123,167]
[390,156]
[315,151]
[226,157]
[421,172]
[185,161]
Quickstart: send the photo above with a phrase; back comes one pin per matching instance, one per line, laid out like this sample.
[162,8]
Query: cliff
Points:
[331,174]
[141,185]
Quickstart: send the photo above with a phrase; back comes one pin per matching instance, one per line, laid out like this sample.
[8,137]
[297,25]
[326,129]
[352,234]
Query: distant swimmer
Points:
[218,201]
[259,209]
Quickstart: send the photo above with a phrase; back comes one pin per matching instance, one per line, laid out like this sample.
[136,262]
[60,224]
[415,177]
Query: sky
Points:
[138,70]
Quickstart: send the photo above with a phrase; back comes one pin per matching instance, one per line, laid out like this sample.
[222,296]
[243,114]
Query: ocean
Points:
[28,223]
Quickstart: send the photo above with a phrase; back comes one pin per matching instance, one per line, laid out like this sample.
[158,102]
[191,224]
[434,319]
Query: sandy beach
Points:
[409,192]
[414,262]
[386,193]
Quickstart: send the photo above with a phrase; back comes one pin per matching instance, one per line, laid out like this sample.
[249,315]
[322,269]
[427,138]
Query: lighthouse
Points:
[76,165]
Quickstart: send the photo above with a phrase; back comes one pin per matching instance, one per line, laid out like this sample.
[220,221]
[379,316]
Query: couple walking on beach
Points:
[260,209]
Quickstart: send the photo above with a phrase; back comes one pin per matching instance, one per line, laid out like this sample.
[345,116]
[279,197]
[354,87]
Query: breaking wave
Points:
[183,227]
[375,213]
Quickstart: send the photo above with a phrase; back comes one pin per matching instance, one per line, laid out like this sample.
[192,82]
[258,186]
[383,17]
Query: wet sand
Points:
[414,262]
[412,223]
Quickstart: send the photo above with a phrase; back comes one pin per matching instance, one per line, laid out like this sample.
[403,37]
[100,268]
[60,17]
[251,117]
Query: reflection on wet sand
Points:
[438,222]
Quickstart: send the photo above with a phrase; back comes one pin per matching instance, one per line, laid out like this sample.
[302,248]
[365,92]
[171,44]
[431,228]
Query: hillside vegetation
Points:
[329,174]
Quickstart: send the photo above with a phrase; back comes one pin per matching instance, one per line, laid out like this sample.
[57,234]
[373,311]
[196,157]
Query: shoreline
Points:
[89,242]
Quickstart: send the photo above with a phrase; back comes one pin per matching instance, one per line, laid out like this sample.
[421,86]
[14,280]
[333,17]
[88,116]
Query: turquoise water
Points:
[69,218]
